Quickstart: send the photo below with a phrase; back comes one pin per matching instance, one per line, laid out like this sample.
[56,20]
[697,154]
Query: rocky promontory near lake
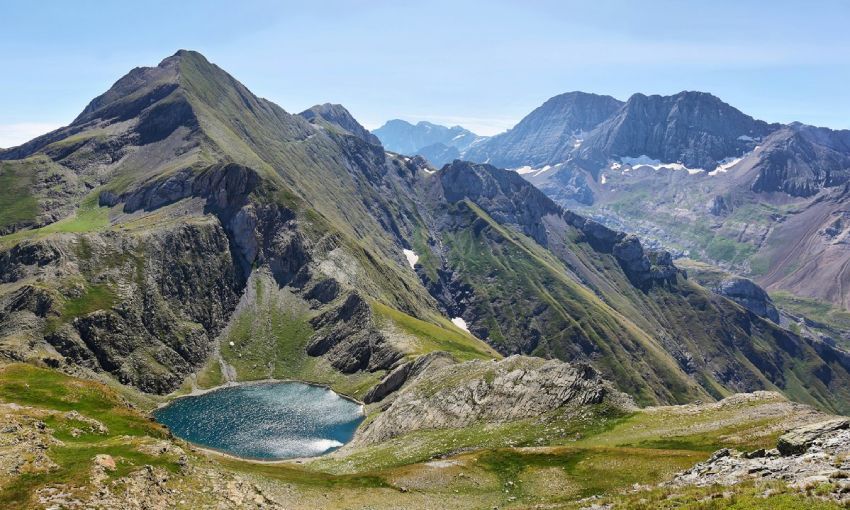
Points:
[518,387]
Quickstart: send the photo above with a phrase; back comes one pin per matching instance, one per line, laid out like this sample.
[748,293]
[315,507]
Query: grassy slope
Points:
[49,390]
[428,337]
[88,217]
[553,461]
[17,203]
[528,275]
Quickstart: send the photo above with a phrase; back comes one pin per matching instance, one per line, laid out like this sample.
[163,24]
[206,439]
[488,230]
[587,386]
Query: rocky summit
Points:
[183,234]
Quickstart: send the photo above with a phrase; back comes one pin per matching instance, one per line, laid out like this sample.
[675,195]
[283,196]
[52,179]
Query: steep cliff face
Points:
[548,134]
[802,160]
[693,128]
[750,296]
[144,307]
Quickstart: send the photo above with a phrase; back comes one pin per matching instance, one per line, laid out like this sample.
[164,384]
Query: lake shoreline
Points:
[196,392]
[233,453]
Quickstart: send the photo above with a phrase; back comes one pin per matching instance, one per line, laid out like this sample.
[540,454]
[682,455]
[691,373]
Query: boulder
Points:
[799,440]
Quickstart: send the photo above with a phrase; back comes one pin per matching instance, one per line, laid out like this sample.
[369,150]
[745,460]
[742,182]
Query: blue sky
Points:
[483,65]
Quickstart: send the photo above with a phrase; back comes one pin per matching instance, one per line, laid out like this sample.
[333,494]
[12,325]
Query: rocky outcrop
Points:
[337,115]
[749,295]
[801,160]
[812,456]
[26,258]
[644,268]
[515,388]
[504,195]
[405,372]
[347,336]
[798,441]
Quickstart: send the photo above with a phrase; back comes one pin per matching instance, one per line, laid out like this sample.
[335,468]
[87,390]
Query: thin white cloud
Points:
[12,135]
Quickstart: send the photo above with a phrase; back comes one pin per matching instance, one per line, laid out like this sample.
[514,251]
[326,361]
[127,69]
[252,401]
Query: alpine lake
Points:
[264,421]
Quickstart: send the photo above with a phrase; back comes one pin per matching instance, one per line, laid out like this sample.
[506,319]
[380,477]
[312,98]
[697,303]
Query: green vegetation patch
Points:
[814,309]
[92,298]
[51,391]
[742,496]
[96,297]
[48,389]
[89,217]
[270,336]
[432,337]
[17,203]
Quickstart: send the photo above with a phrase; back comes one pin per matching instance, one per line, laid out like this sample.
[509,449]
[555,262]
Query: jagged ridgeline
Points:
[183,229]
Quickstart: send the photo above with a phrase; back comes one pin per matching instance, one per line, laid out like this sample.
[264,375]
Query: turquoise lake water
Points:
[278,420]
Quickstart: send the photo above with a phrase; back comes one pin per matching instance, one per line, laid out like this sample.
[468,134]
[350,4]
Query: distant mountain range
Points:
[438,144]
[695,175]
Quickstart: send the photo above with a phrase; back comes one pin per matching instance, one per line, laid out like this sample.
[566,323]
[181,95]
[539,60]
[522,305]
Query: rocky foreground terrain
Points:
[809,458]
[109,455]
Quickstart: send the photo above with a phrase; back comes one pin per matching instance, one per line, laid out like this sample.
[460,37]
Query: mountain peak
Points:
[339,117]
[549,133]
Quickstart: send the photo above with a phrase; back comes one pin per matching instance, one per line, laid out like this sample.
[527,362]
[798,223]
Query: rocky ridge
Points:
[457,395]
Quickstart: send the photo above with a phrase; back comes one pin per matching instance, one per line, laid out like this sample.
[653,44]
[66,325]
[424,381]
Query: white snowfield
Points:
[523,170]
[412,257]
[655,164]
[459,322]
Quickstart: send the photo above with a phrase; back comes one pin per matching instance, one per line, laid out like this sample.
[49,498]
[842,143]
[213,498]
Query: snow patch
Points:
[459,322]
[412,257]
[544,169]
[602,179]
[726,164]
[524,170]
[655,164]
[746,138]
